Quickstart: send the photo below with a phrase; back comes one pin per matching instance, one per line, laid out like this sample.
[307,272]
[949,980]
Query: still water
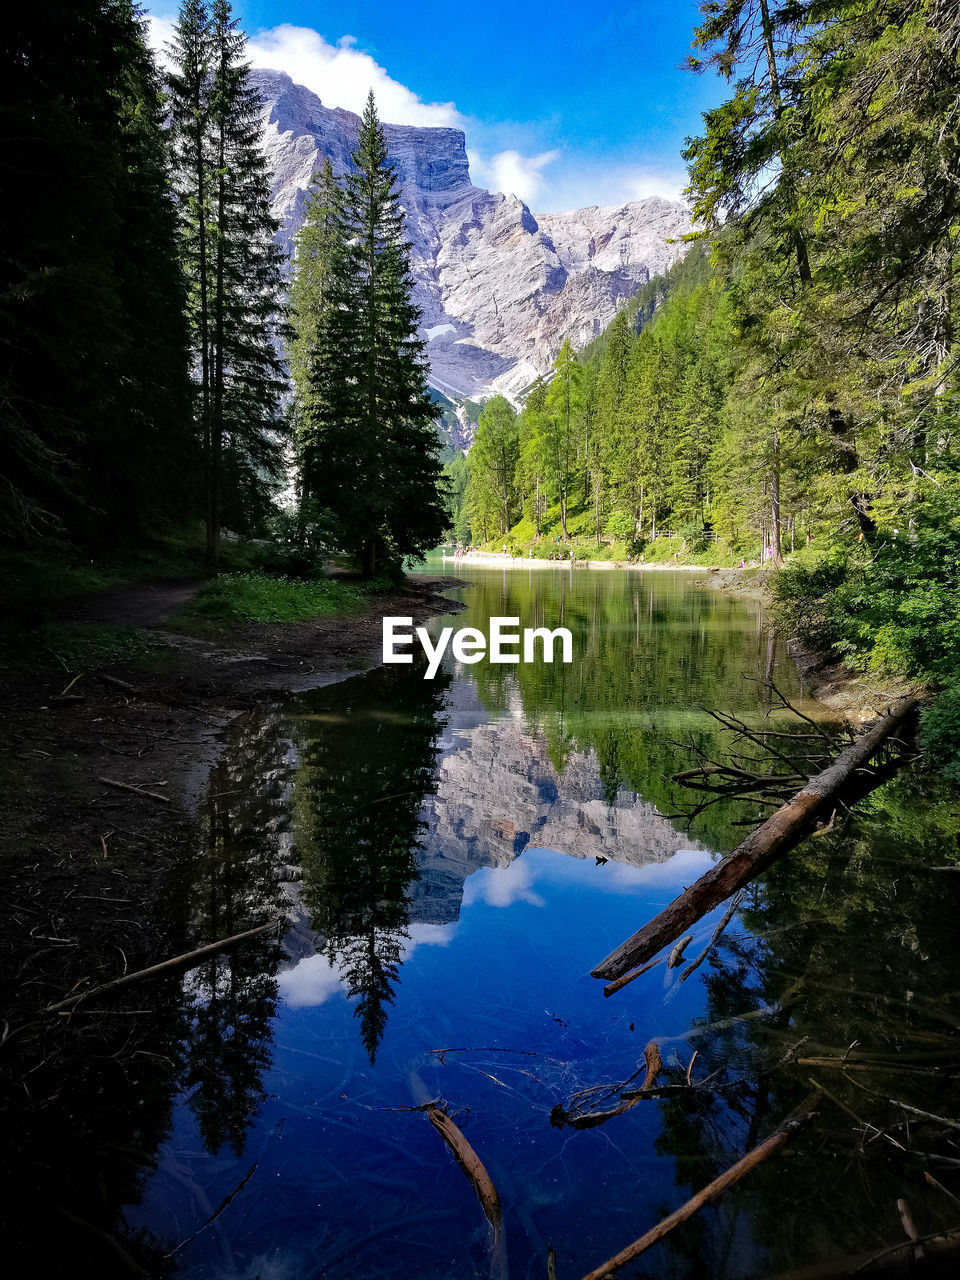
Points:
[451,858]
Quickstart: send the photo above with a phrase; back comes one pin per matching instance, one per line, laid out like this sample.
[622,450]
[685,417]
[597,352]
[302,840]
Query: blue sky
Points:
[559,107]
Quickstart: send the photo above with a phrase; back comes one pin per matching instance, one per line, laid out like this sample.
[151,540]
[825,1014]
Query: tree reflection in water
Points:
[236,884]
[853,925]
[357,797]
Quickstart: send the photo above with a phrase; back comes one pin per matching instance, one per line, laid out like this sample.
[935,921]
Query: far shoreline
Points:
[533,562]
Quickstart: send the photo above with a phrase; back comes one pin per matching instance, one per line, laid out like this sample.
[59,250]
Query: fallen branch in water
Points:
[618,983]
[780,832]
[137,791]
[709,1193]
[469,1162]
[714,937]
[887,1262]
[224,1204]
[189,960]
[576,1119]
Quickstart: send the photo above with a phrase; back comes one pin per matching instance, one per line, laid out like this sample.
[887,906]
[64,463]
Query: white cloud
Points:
[503,886]
[514,173]
[341,75]
[579,185]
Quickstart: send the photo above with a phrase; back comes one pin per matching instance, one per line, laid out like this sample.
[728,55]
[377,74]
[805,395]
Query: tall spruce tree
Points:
[315,346]
[92,353]
[369,417]
[234,266]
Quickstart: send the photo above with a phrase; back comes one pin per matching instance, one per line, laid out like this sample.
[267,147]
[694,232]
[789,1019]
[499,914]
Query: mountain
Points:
[499,289]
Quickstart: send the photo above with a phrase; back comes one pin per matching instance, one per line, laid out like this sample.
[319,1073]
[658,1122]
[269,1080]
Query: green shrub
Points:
[940,732]
[620,526]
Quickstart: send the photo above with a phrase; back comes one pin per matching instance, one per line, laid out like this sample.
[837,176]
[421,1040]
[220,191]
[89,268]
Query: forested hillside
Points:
[792,384]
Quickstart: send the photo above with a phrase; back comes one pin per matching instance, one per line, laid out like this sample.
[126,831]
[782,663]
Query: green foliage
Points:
[365,420]
[73,647]
[619,526]
[491,492]
[940,732]
[95,435]
[891,605]
[258,597]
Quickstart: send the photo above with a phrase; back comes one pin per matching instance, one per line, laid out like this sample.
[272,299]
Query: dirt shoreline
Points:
[81,861]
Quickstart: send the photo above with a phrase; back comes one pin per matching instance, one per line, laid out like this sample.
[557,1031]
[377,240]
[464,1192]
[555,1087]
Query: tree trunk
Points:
[776,549]
[781,831]
[369,557]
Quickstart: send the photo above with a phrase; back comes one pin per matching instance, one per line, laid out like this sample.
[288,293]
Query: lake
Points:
[451,858]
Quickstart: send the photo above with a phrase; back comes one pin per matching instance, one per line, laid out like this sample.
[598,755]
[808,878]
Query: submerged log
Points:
[189,960]
[781,831]
[469,1162]
[704,1197]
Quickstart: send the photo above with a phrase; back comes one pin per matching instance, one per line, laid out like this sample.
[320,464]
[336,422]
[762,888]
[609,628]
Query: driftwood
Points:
[189,960]
[576,1119]
[137,791]
[709,1193]
[469,1162]
[619,983]
[780,832]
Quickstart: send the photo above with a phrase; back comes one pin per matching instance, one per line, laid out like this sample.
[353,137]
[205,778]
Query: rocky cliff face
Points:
[498,288]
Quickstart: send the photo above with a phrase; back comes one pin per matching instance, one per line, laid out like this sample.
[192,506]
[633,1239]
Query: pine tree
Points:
[493,460]
[563,411]
[93,367]
[369,417]
[318,262]
[227,236]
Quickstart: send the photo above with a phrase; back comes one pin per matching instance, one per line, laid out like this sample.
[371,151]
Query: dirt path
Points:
[142,606]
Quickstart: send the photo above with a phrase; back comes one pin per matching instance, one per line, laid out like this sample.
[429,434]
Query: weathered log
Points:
[189,960]
[469,1162]
[709,1193]
[779,833]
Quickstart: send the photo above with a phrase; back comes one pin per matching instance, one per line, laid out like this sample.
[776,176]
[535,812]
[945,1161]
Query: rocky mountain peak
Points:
[499,288]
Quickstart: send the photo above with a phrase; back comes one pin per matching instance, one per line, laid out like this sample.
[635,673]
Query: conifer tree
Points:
[493,460]
[93,365]
[319,342]
[563,409]
[227,234]
[369,417]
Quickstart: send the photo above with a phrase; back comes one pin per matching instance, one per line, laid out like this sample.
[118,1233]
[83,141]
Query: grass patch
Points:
[37,581]
[73,647]
[256,597]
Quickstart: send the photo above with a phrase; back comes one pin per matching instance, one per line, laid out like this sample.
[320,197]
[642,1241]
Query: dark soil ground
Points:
[83,865]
